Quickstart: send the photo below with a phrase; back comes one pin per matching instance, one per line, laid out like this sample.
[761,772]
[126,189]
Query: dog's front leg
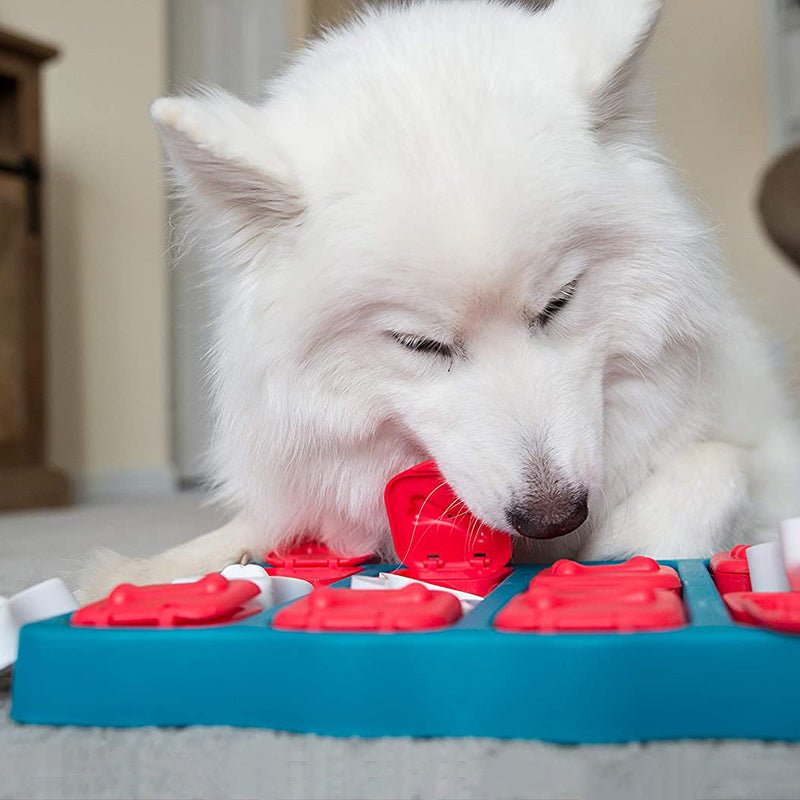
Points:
[233,542]
[694,504]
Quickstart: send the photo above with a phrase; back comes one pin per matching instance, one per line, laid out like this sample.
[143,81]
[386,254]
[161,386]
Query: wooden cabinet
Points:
[25,480]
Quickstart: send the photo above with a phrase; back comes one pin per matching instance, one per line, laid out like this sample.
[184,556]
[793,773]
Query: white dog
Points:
[447,233]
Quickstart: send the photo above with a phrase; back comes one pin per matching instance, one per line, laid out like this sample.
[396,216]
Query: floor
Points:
[66,763]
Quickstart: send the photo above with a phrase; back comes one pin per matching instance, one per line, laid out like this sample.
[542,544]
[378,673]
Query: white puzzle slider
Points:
[390,580]
[790,550]
[765,563]
[42,601]
[775,566]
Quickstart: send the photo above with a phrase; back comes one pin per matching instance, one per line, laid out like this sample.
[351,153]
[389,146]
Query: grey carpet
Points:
[68,763]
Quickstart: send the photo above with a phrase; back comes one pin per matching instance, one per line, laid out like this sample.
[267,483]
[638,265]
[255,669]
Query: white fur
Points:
[444,169]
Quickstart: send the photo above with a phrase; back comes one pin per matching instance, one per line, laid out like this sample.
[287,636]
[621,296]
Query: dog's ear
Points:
[222,162]
[608,37]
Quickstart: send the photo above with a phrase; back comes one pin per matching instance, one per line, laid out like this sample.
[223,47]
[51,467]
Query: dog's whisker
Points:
[417,521]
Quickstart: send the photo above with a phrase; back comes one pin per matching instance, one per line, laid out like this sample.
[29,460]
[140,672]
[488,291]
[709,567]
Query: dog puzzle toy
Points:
[566,652]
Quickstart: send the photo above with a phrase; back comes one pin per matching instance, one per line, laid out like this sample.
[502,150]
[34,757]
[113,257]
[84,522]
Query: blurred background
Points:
[122,412]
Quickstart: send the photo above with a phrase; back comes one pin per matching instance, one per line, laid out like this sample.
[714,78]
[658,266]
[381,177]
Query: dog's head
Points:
[440,223]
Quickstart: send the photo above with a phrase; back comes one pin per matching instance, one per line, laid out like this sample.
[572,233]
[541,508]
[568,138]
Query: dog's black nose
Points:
[549,517]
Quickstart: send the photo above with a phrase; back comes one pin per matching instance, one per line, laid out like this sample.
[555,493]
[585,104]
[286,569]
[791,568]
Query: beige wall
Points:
[709,69]
[108,333]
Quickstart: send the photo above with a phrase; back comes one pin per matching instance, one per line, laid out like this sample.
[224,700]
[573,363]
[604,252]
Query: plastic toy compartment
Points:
[594,682]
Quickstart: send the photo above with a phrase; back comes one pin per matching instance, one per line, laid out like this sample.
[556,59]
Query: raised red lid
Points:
[411,608]
[313,554]
[637,572]
[211,600]
[436,536]
[622,610]
[779,611]
[314,562]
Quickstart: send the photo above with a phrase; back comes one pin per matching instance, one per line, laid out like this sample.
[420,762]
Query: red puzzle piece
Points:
[550,611]
[639,572]
[778,611]
[211,600]
[730,571]
[733,600]
[413,608]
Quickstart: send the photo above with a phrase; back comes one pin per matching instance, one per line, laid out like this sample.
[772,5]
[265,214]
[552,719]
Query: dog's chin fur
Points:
[443,170]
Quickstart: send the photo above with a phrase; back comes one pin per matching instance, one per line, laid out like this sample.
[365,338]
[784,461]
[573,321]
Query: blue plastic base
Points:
[712,679]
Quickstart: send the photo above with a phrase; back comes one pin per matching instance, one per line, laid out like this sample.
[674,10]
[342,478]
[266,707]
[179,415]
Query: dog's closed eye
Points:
[556,304]
[421,344]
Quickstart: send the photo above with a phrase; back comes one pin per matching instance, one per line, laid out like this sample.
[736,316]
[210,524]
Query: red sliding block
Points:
[413,608]
[211,600]
[778,611]
[639,572]
[623,610]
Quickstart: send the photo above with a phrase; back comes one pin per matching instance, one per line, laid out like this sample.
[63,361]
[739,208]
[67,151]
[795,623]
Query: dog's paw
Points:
[693,506]
[106,569]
